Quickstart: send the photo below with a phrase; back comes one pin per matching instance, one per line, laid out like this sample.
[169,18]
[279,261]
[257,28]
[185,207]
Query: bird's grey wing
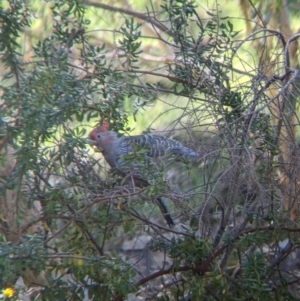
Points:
[159,146]
[130,161]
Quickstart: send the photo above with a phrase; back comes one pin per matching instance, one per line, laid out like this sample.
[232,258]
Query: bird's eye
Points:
[98,136]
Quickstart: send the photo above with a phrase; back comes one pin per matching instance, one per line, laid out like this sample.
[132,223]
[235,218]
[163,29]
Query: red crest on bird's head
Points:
[100,129]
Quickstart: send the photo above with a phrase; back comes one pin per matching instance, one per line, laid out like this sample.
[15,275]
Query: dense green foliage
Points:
[67,221]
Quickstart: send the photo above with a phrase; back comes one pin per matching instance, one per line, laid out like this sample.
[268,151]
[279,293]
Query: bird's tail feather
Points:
[184,151]
[164,210]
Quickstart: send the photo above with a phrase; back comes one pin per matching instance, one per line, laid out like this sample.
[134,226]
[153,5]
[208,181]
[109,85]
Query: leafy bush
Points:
[71,229]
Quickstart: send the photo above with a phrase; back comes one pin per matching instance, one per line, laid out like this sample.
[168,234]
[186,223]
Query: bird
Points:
[132,156]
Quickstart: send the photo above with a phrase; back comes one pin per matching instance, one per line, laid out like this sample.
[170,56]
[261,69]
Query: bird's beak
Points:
[91,142]
[94,143]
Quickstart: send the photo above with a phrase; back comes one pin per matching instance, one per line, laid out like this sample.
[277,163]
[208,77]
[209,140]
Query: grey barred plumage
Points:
[115,149]
[131,156]
[160,146]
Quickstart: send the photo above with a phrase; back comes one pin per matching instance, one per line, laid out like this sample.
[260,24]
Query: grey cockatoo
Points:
[122,154]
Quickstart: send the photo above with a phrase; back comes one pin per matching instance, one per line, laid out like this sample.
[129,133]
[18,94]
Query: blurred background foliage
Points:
[221,77]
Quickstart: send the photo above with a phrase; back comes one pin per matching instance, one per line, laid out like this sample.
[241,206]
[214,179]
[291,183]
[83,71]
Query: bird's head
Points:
[101,137]
[93,135]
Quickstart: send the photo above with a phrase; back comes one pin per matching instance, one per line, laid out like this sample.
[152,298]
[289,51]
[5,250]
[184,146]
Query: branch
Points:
[44,218]
[4,141]
[143,16]
[204,267]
